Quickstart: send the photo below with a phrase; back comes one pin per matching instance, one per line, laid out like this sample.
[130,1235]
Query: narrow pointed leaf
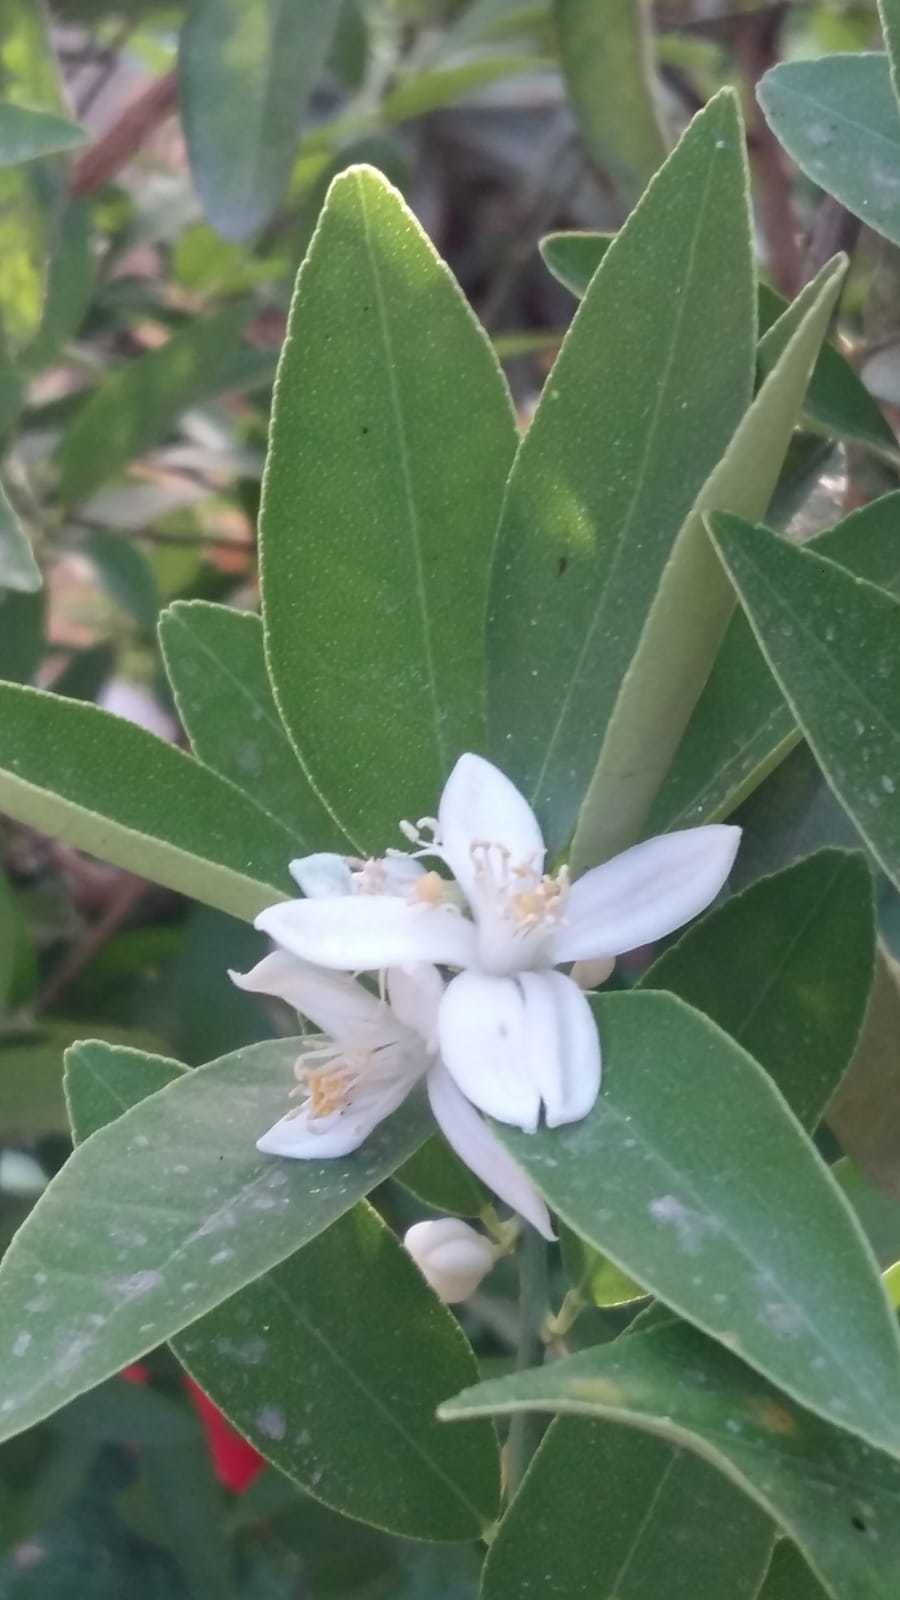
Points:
[18,568]
[838,118]
[742,726]
[135,408]
[653,377]
[865,1113]
[742,1231]
[355,1356]
[607,62]
[789,1577]
[215,659]
[379,502]
[835,1496]
[104,785]
[601,1510]
[245,75]
[833,642]
[26,134]
[688,615]
[101,1083]
[183,1212]
[786,969]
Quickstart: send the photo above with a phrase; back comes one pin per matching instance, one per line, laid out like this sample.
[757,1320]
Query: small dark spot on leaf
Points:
[364,429]
[859,1523]
[562,565]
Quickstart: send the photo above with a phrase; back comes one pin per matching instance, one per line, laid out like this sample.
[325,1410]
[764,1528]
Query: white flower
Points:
[516,1036]
[451,1256]
[368,1057]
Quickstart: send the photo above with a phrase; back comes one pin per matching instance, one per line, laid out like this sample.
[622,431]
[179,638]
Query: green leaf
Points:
[786,969]
[828,1491]
[138,406]
[26,134]
[216,664]
[70,283]
[101,1083]
[838,119]
[104,785]
[333,1365]
[686,619]
[833,642]
[604,1508]
[650,383]
[438,1177]
[391,440]
[789,1578]
[741,1230]
[245,75]
[606,57]
[865,1113]
[126,575]
[428,91]
[21,634]
[18,568]
[878,1211]
[184,1213]
[742,727]
[837,402]
[32,1102]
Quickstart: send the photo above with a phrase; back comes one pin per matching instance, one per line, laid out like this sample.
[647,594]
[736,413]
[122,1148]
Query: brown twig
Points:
[756,37]
[123,898]
[115,148]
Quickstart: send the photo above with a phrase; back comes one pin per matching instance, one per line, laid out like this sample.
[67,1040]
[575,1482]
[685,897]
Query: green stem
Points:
[526,1427]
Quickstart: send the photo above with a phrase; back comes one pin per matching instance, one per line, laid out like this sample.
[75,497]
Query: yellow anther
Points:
[429,890]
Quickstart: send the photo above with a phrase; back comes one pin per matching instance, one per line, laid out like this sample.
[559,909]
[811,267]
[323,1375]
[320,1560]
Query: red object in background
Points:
[235,1462]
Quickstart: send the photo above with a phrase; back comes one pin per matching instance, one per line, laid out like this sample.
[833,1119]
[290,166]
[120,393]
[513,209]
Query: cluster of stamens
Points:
[530,898]
[326,1078]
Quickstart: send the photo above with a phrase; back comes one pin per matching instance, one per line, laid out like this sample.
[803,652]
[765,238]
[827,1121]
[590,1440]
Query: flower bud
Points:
[450,1255]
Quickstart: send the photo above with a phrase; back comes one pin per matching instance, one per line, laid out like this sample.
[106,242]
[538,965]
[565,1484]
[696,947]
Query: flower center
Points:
[327,1078]
[525,896]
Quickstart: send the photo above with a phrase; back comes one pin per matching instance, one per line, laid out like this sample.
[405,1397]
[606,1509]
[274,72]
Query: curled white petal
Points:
[356,933]
[482,1152]
[321,874]
[333,1002]
[645,892]
[562,1049]
[480,806]
[450,1255]
[415,995]
[481,1027]
[304,1138]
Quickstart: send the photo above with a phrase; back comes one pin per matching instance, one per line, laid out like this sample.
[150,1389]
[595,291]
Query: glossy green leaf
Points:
[786,969]
[18,568]
[837,401]
[32,1101]
[878,1211]
[104,785]
[391,440]
[701,1221]
[184,1213]
[309,1390]
[650,383]
[835,1496]
[606,57]
[436,1176]
[789,1577]
[70,282]
[865,1113]
[742,726]
[245,75]
[26,134]
[595,1280]
[126,574]
[216,664]
[333,1365]
[688,616]
[423,92]
[838,118]
[136,407]
[604,1508]
[833,642]
[21,634]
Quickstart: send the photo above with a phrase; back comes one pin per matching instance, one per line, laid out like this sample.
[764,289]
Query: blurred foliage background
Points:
[145,279]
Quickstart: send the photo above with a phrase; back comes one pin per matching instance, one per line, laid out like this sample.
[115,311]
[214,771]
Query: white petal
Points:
[357,933]
[645,893]
[562,1046]
[334,1003]
[321,874]
[480,806]
[415,994]
[323,1138]
[481,1027]
[482,1152]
